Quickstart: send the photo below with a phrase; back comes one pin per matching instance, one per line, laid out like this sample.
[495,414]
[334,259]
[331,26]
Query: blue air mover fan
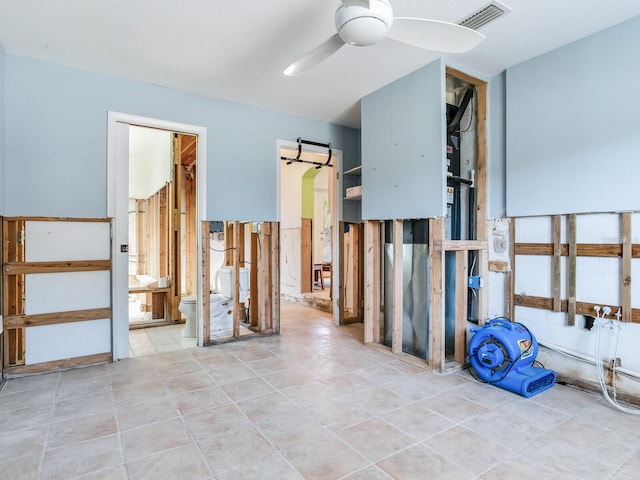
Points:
[502,353]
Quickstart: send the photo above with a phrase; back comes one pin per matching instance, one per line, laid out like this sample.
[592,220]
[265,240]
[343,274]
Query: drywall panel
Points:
[67,241]
[573,140]
[403,147]
[67,340]
[3,178]
[496,147]
[49,104]
[65,292]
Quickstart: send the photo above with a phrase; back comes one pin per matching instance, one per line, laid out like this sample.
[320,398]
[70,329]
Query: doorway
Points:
[310,210]
[156,242]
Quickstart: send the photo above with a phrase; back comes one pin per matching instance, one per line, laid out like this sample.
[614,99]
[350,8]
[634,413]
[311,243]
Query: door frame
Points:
[335,183]
[118,185]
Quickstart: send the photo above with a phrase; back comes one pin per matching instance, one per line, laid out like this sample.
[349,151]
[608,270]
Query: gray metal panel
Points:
[415,285]
[573,142]
[403,147]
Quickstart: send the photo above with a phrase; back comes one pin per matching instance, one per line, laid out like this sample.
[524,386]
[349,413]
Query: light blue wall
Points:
[2,167]
[496,165]
[56,134]
[573,129]
[403,168]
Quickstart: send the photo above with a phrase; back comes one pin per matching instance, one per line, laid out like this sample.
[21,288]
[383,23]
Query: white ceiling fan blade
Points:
[434,35]
[315,56]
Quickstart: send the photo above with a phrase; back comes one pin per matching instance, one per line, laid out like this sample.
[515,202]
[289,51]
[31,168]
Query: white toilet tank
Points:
[225,275]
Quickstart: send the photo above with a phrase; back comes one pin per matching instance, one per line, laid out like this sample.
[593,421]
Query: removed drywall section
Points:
[403,132]
[56,141]
[599,280]
[573,138]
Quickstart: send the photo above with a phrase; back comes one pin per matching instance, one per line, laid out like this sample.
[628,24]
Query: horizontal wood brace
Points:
[582,308]
[21,268]
[583,249]
[58,365]
[18,321]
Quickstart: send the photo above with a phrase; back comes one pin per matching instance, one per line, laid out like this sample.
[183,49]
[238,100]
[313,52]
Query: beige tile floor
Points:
[312,403]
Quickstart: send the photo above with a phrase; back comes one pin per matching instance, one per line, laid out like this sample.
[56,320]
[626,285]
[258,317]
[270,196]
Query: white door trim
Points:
[335,180]
[117,181]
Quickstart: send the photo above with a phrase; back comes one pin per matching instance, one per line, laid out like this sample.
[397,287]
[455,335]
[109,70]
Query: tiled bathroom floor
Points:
[145,341]
[312,403]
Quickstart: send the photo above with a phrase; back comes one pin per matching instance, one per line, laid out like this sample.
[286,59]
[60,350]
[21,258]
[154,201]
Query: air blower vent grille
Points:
[486,14]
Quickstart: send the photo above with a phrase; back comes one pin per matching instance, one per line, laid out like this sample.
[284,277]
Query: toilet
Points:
[220,305]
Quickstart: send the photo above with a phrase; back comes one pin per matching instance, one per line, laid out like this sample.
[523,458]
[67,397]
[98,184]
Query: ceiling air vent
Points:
[486,14]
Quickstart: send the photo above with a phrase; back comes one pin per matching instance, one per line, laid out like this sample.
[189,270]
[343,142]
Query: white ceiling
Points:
[237,50]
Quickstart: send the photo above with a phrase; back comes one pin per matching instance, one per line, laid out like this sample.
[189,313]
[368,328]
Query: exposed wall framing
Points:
[625,250]
[263,316]
[15,268]
[438,246]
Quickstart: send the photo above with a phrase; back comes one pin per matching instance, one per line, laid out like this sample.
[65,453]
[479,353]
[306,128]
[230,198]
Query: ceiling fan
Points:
[366,22]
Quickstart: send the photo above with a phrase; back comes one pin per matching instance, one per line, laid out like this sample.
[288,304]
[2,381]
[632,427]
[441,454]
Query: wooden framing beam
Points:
[58,365]
[436,295]
[275,277]
[253,281]
[460,334]
[206,283]
[626,267]
[237,312]
[20,321]
[557,252]
[582,308]
[602,250]
[397,286]
[372,282]
[264,280]
[306,255]
[23,268]
[571,267]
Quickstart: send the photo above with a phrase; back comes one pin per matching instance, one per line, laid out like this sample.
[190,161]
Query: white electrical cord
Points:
[599,364]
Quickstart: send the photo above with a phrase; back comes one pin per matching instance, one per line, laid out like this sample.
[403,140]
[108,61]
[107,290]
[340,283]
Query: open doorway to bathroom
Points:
[162,228]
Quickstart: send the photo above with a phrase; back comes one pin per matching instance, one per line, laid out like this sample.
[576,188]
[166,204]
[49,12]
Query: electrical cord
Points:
[600,364]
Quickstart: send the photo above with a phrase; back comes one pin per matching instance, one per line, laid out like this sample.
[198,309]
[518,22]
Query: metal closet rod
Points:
[309,142]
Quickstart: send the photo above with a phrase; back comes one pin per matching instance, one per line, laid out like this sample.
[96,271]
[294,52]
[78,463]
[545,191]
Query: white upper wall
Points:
[573,136]
[150,158]
[2,155]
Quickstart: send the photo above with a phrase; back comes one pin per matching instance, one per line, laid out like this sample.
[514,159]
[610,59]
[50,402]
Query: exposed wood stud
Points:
[462,274]
[237,313]
[253,281]
[436,295]
[626,267]
[372,282]
[306,256]
[603,250]
[397,286]
[206,283]
[275,277]
[58,365]
[571,267]
[557,222]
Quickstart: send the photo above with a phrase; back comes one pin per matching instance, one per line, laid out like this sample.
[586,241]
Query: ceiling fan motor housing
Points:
[362,23]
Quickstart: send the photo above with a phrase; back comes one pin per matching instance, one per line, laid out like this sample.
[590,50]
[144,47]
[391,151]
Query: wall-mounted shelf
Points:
[354,171]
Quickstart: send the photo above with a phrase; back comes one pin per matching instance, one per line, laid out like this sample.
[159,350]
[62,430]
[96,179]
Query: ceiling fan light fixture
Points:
[363,23]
